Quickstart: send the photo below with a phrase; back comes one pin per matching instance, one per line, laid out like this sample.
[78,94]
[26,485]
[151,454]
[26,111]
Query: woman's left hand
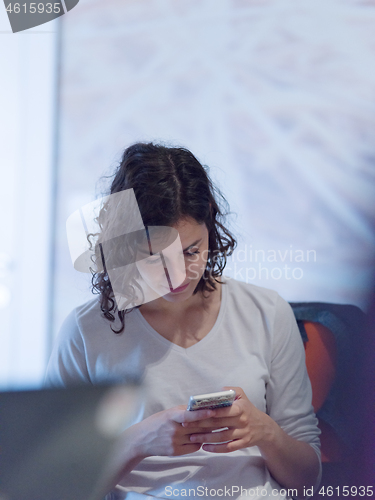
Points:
[246,426]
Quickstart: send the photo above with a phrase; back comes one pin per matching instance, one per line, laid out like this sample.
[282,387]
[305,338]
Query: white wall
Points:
[27,103]
[276,96]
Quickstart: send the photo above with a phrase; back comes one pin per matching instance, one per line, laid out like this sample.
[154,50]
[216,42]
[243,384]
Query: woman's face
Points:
[194,242]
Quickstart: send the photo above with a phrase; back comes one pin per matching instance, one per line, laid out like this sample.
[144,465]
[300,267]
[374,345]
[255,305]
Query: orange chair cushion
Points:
[321,361]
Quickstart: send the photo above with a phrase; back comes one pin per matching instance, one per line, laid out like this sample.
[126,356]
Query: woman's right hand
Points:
[163,434]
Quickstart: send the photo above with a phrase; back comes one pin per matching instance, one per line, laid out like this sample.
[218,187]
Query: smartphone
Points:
[211,401]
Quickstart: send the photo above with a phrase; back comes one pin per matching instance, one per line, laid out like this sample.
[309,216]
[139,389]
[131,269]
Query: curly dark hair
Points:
[170,184]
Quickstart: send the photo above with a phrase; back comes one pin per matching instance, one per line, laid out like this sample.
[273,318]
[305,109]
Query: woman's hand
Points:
[164,432]
[246,426]
[293,463]
[160,434]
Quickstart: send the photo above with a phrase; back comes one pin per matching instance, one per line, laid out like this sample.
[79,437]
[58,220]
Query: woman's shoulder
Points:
[80,340]
[88,312]
[90,319]
[249,297]
[266,312]
[67,363]
[241,289]
[85,320]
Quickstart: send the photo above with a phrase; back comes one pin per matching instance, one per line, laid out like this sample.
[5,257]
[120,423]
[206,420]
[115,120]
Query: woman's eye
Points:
[190,253]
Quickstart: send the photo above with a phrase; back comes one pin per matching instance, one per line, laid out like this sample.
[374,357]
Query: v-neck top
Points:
[206,338]
[254,344]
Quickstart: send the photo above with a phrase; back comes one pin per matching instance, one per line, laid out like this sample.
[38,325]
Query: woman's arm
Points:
[294,464]
[161,434]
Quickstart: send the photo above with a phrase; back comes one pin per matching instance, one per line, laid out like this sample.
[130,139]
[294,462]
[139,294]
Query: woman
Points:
[205,334]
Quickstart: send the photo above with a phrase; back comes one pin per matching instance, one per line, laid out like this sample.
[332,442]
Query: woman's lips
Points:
[179,289]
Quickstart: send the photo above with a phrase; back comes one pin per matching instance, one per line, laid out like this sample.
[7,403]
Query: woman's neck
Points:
[187,322]
[196,301]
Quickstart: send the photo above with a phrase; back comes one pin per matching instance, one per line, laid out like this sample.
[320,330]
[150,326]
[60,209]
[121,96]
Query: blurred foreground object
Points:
[56,443]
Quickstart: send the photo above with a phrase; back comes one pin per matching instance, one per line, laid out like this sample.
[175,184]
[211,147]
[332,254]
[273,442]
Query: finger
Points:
[229,411]
[225,447]
[188,431]
[237,390]
[183,439]
[215,423]
[189,448]
[216,437]
[185,416]
[240,393]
